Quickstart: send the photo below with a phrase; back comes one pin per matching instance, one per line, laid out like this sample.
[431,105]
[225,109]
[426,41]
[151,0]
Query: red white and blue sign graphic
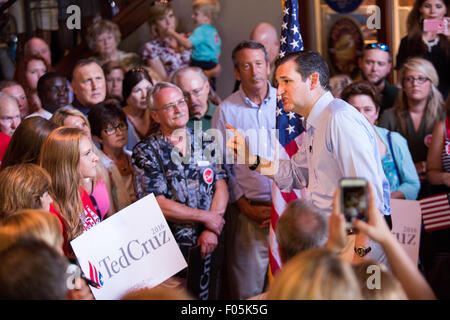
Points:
[95,275]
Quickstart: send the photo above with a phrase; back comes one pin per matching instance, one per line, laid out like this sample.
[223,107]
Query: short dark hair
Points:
[248,44]
[46,77]
[82,63]
[103,114]
[32,270]
[361,88]
[301,227]
[131,78]
[307,63]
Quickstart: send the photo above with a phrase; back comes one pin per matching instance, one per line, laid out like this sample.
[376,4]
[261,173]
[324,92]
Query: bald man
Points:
[9,114]
[37,46]
[267,35]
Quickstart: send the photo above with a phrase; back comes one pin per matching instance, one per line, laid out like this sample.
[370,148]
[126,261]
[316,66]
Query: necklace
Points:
[123,165]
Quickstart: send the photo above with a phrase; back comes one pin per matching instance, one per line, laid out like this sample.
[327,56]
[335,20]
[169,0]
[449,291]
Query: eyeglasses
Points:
[420,80]
[380,46]
[138,70]
[112,129]
[171,105]
[195,93]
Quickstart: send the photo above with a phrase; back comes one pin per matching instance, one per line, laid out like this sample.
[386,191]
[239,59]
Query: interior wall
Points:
[235,22]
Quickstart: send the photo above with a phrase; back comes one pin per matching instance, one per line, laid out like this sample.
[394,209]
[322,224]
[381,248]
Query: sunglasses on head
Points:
[380,46]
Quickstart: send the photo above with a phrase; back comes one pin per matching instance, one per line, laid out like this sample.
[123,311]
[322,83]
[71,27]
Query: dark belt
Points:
[260,203]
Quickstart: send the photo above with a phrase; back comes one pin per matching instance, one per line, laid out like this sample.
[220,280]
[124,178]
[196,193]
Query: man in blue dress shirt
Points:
[252,110]
[339,141]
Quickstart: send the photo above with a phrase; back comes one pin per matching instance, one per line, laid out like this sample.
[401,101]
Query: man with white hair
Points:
[9,114]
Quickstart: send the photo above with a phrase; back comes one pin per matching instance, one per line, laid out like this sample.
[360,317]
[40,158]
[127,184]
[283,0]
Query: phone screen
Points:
[354,203]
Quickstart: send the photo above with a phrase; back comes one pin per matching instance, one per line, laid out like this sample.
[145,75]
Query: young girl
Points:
[68,157]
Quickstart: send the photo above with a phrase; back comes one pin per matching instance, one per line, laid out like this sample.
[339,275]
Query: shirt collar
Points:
[266,100]
[319,106]
[77,105]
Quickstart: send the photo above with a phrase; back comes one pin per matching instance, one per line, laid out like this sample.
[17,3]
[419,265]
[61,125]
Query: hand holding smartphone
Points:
[354,200]
[436,25]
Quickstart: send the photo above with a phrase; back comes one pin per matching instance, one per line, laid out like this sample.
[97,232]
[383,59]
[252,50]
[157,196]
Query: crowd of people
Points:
[74,152]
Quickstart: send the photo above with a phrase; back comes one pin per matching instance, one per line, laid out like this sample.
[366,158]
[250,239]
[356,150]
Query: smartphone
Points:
[435,25]
[354,200]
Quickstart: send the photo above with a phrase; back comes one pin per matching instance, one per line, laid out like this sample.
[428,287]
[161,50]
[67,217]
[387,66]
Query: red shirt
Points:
[4,141]
[88,217]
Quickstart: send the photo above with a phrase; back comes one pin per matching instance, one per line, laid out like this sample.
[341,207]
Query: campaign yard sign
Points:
[132,249]
[406,223]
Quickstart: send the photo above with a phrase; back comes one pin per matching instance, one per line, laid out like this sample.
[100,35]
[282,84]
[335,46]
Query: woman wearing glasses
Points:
[430,45]
[417,110]
[136,84]
[109,129]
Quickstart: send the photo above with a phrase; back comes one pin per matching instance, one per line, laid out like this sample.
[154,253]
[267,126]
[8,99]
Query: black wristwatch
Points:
[361,251]
[255,165]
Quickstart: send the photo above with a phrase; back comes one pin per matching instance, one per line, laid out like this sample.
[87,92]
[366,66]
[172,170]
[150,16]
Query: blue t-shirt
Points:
[206,43]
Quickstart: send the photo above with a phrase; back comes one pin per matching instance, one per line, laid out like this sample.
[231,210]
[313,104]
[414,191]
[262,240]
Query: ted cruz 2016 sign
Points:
[134,248]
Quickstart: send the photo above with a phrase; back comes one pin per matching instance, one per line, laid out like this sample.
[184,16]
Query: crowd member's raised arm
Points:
[414,284]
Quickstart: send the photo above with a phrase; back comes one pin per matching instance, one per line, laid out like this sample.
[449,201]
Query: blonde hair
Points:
[60,116]
[31,225]
[60,156]
[435,101]
[100,27]
[158,10]
[207,7]
[390,287]
[21,187]
[316,274]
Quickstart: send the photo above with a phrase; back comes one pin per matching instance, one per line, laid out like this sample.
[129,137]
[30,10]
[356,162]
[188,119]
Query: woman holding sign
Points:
[68,157]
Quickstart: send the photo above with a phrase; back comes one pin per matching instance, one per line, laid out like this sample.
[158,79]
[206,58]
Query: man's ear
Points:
[389,67]
[360,63]
[154,116]
[236,74]
[315,81]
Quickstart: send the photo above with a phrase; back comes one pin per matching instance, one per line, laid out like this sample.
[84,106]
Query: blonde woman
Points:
[163,54]
[316,274]
[98,187]
[39,225]
[103,38]
[31,224]
[390,288]
[24,186]
[68,157]
[419,107]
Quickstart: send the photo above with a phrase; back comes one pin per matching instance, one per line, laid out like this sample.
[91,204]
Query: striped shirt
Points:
[446,149]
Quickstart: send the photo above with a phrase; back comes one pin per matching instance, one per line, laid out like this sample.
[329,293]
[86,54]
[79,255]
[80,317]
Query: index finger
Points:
[232,129]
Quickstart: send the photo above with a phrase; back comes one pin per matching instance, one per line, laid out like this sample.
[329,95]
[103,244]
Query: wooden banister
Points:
[129,19]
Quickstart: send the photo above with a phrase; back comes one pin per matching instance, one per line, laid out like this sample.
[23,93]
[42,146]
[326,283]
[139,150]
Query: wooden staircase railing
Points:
[129,19]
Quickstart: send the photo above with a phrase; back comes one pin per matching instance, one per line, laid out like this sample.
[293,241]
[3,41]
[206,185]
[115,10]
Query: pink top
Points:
[101,197]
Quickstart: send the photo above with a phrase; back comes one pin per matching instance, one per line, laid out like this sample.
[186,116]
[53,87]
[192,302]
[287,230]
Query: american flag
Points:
[289,126]
[436,212]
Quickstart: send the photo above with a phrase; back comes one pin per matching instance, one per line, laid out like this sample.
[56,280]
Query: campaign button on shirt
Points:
[208,175]
[427,140]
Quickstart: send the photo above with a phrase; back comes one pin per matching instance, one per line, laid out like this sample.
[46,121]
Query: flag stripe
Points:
[289,127]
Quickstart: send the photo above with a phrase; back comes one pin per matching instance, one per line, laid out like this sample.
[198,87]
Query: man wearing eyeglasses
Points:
[186,179]
[195,86]
[9,114]
[375,65]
